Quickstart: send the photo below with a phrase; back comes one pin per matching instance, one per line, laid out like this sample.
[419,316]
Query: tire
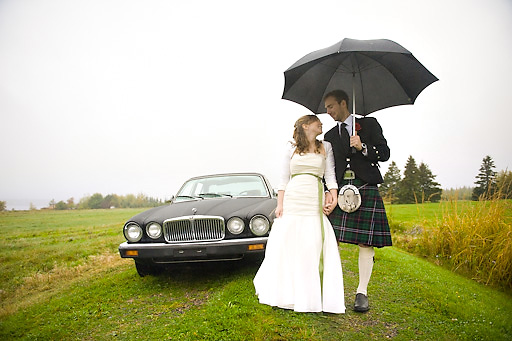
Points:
[145,269]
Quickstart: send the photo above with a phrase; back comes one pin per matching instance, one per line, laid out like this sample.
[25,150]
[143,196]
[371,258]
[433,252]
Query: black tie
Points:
[344,134]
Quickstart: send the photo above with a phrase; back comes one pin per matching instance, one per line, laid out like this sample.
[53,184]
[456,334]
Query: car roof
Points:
[225,174]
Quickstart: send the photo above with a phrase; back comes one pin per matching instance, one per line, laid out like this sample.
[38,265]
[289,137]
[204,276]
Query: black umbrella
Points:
[381,74]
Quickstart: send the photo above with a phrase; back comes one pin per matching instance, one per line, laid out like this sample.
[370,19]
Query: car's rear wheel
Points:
[145,269]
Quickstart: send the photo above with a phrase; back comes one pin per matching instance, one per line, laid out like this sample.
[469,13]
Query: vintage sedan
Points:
[211,218]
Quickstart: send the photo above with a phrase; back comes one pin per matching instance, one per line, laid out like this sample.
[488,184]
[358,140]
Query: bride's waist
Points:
[313,175]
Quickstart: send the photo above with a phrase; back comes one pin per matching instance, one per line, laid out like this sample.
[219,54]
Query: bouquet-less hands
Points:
[331,197]
[279,208]
[331,200]
[279,211]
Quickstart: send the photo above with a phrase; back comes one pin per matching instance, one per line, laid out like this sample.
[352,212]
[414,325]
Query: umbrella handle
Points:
[353,108]
[353,103]
[353,131]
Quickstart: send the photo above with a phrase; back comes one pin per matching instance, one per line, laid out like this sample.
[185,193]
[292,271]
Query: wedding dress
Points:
[302,268]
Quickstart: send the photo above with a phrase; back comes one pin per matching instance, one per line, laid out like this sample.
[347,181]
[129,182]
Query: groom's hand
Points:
[355,141]
[328,203]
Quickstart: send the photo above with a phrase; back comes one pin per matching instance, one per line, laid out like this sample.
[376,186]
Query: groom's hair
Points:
[339,95]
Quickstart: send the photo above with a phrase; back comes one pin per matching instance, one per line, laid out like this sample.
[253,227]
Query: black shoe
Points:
[361,304]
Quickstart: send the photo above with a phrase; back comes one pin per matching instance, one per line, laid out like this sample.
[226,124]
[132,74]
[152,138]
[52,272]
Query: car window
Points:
[219,186]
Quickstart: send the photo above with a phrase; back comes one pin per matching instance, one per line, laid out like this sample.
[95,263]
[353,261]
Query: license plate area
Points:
[198,252]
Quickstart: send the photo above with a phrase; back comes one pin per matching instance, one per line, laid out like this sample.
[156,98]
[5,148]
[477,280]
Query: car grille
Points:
[194,229]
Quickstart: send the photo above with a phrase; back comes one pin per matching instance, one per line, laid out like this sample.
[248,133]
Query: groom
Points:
[367,226]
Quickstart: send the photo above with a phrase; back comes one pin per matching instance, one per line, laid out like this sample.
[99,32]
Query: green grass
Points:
[406,216]
[413,213]
[428,212]
[470,237]
[93,294]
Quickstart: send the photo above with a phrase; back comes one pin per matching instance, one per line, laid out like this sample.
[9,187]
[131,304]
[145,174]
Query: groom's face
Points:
[338,111]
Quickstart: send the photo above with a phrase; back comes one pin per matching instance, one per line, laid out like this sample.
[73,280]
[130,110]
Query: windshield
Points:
[223,186]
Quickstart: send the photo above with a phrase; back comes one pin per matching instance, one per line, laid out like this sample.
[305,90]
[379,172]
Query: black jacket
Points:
[365,167]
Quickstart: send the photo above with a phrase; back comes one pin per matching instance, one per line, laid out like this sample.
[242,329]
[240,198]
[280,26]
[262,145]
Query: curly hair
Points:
[299,136]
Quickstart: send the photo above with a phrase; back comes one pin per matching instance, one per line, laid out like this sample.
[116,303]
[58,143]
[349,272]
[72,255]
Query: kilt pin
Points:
[369,224]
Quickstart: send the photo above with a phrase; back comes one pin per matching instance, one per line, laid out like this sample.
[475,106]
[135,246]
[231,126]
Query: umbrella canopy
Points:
[379,73]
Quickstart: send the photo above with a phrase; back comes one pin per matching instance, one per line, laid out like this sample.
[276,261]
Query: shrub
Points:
[475,239]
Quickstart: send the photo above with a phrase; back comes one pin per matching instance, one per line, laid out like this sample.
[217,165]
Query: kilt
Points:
[368,225]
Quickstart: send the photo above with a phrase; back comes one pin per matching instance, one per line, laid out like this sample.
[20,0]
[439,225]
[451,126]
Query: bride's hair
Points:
[299,136]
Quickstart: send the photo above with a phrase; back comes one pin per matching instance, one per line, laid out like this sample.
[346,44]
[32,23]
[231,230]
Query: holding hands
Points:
[331,200]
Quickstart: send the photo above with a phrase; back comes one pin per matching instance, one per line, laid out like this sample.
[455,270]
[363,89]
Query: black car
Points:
[211,218]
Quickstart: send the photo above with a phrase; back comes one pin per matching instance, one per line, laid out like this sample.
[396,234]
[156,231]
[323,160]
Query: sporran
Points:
[349,198]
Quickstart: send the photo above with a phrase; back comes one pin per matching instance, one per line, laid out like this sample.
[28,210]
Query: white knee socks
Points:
[365,268]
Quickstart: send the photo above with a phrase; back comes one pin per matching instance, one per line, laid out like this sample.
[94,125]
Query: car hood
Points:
[224,207]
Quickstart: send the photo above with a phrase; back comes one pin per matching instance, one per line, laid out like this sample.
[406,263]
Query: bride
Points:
[302,267]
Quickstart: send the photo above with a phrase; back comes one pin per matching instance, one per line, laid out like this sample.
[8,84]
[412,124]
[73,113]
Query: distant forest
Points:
[98,201]
[463,193]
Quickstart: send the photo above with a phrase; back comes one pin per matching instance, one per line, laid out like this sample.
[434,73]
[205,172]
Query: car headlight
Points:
[154,230]
[132,232]
[259,225]
[235,225]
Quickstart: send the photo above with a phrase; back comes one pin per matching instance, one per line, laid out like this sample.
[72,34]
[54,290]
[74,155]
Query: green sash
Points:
[320,191]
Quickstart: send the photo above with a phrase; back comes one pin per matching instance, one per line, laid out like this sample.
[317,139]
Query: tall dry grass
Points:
[475,239]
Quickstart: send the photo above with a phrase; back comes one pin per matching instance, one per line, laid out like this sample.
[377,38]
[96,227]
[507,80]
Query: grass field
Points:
[410,214]
[62,278]
[470,237]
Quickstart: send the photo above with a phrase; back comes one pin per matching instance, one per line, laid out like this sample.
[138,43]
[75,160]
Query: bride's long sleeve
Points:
[285,167]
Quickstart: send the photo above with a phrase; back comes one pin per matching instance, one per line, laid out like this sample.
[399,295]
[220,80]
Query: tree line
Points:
[98,201]
[417,185]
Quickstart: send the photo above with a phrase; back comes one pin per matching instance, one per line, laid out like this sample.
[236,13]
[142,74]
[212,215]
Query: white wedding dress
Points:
[289,276]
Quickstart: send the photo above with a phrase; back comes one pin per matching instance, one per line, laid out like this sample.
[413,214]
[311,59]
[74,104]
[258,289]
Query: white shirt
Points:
[348,126]
[329,173]
[348,123]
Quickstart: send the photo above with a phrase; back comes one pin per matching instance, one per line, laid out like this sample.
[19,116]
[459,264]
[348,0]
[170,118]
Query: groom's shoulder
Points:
[366,119]
[330,131]
[369,122]
[329,135]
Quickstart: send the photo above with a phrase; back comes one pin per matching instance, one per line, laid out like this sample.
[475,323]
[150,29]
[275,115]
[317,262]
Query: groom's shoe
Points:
[361,304]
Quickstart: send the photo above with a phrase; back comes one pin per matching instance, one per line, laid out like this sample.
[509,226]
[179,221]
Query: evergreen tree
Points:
[409,190]
[430,189]
[391,182]
[486,179]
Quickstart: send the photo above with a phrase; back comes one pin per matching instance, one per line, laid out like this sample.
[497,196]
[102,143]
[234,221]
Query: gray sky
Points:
[126,96]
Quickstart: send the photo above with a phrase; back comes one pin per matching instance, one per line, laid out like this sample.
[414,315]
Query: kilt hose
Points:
[368,225]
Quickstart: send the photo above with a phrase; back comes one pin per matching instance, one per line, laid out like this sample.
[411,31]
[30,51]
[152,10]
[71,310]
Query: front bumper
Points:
[190,252]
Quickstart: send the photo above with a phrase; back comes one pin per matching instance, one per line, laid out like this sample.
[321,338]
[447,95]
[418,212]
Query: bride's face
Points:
[315,127]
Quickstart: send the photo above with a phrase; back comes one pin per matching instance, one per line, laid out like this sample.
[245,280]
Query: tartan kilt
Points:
[368,225]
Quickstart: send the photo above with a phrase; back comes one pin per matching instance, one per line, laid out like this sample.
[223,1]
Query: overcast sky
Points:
[126,96]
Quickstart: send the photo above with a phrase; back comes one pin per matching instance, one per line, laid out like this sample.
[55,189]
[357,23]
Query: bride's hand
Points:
[279,211]
[331,200]
[328,198]
[327,209]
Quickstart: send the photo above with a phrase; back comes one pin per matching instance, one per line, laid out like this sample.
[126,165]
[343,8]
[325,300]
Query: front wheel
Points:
[145,269]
